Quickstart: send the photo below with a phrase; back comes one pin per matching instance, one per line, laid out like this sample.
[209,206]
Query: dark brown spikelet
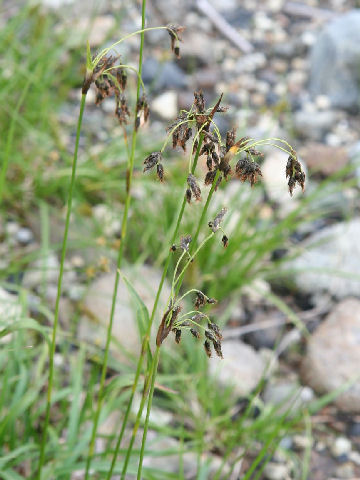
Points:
[106,62]
[160,172]
[215,328]
[122,111]
[152,160]
[230,138]
[188,195]
[248,170]
[194,186]
[211,301]
[200,300]
[121,78]
[199,102]
[215,224]
[217,348]
[142,110]
[177,335]
[195,333]
[175,31]
[225,241]
[294,173]
[167,323]
[185,242]
[210,335]
[210,177]
[207,347]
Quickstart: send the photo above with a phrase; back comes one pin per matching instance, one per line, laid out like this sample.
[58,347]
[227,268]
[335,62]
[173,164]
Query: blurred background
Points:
[288,284]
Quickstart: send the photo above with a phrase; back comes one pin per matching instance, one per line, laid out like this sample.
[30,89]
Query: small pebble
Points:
[24,236]
[341,446]
[276,471]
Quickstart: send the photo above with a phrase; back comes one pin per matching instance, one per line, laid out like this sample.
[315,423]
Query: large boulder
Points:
[335,62]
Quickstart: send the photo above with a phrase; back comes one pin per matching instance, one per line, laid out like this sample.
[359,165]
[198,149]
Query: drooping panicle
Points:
[294,172]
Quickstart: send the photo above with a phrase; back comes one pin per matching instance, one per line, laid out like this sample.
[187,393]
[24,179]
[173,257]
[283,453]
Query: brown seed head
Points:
[248,170]
[152,160]
[294,173]
[194,186]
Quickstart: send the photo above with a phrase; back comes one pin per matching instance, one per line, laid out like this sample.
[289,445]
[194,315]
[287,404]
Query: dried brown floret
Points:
[177,332]
[194,186]
[121,77]
[152,160]
[215,158]
[248,170]
[295,173]
[199,102]
[185,242]
[217,348]
[210,177]
[195,333]
[142,110]
[106,62]
[210,335]
[210,300]
[209,163]
[175,31]
[225,240]
[200,300]
[160,172]
[121,110]
[215,328]
[188,195]
[207,347]
[215,224]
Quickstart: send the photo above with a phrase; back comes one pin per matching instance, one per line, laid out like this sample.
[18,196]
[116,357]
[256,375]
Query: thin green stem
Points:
[129,175]
[59,286]
[147,335]
[146,425]
[10,137]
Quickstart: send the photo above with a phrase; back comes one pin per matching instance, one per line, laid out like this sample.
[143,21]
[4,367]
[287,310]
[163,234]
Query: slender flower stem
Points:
[146,425]
[129,175]
[59,286]
[146,339]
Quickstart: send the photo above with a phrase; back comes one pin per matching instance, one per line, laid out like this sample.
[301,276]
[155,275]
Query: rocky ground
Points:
[290,70]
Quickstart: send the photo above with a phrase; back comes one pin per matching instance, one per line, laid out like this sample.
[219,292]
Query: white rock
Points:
[242,367]
[335,248]
[165,105]
[341,446]
[333,355]
[97,302]
[276,471]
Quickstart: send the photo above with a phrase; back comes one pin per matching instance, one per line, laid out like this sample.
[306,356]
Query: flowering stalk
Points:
[145,343]
[59,286]
[129,175]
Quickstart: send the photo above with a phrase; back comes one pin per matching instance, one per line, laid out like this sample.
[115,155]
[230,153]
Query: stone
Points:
[276,471]
[163,76]
[97,307]
[341,446]
[314,124]
[335,62]
[333,249]
[333,355]
[165,105]
[323,158]
[242,367]
[287,395]
[24,236]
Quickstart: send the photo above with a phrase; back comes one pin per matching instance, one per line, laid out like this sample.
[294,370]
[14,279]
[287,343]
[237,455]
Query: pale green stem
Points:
[59,286]
[129,175]
[147,337]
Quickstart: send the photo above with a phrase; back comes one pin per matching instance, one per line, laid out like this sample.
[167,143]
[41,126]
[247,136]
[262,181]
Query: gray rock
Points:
[97,304]
[165,105]
[242,367]
[333,355]
[288,396]
[314,124]
[330,261]
[335,62]
[24,236]
[276,471]
[163,76]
